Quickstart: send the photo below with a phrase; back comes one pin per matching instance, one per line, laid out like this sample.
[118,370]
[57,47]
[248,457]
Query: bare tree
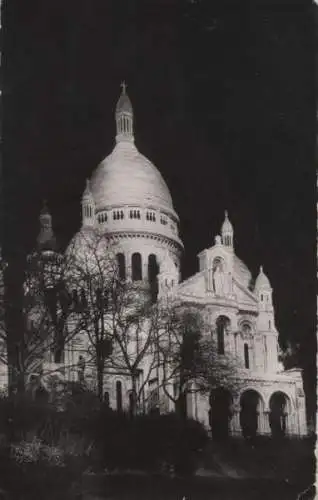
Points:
[47,307]
[117,317]
[188,355]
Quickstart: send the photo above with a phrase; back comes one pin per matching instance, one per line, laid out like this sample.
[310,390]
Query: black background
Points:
[224,100]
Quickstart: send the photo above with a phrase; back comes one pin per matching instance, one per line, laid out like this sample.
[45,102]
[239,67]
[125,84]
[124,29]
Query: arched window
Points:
[217,263]
[221,324]
[119,396]
[246,329]
[246,356]
[121,266]
[153,270]
[136,269]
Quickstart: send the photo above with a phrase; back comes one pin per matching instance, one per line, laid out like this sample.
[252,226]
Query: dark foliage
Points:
[35,480]
[151,443]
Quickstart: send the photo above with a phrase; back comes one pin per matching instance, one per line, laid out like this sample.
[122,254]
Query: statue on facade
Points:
[218,280]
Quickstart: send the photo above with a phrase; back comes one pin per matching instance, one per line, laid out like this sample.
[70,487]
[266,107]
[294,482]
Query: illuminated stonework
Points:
[128,204]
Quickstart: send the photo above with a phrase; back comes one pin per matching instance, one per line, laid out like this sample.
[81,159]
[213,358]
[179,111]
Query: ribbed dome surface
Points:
[126,177]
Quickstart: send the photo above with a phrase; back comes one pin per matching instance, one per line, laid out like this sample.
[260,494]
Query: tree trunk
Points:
[14,324]
[181,406]
[100,380]
[133,398]
[58,353]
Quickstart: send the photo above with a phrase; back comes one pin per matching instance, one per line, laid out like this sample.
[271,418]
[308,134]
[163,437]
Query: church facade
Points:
[128,202]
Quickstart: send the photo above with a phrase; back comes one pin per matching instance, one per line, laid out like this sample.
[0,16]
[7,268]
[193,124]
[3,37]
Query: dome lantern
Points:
[88,206]
[124,117]
[227,232]
[46,239]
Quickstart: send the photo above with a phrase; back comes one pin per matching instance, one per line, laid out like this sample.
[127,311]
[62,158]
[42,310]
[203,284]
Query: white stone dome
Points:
[127,200]
[126,177]
[262,281]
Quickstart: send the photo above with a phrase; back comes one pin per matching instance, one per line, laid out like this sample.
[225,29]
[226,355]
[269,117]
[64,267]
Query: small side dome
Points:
[262,282]
[46,239]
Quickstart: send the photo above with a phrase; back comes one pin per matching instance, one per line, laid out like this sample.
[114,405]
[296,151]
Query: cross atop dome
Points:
[123,87]
[124,117]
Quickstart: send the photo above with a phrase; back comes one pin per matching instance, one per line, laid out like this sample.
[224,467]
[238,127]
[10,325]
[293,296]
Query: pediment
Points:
[195,288]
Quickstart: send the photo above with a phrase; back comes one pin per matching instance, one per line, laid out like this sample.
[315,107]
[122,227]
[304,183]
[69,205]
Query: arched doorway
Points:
[251,410]
[279,405]
[220,413]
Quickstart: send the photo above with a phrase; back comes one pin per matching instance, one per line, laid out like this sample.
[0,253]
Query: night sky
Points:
[224,101]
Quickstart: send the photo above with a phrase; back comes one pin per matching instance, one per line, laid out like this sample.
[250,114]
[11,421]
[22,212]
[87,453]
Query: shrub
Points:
[35,470]
[150,442]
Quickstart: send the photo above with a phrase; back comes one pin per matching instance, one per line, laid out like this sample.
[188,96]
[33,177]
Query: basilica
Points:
[127,201]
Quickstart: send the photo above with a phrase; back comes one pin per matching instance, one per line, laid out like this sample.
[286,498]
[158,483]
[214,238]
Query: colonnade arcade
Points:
[248,414]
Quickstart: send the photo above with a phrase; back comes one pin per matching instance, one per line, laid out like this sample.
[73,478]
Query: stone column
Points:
[235,424]
[266,430]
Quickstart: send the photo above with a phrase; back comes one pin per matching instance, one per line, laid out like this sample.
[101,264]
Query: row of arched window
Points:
[118,215]
[79,299]
[151,216]
[88,211]
[124,125]
[133,214]
[227,240]
[136,267]
[163,220]
[102,217]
